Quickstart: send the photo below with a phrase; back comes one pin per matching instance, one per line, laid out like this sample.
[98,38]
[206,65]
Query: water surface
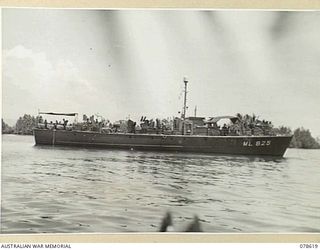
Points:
[71,190]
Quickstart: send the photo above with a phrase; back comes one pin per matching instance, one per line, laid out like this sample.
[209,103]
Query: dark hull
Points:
[243,145]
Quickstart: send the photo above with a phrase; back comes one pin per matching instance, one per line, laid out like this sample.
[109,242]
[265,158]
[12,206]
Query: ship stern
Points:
[43,136]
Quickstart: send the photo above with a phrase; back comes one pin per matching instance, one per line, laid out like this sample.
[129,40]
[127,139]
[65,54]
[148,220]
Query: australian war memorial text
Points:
[36,246]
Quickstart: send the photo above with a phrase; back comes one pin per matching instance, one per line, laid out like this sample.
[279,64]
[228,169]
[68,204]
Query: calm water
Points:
[60,189]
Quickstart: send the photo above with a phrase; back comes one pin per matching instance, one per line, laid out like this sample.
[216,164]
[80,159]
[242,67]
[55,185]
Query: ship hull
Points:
[240,145]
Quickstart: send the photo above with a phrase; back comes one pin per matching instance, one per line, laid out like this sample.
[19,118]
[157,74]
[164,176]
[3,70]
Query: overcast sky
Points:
[132,62]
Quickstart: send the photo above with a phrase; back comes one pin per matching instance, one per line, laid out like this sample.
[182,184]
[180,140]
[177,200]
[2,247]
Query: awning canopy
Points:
[218,118]
[53,113]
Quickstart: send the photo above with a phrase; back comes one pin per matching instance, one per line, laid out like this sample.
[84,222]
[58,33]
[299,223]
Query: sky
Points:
[129,63]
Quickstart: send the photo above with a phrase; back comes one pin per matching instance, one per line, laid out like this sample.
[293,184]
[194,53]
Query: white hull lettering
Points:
[247,144]
[257,143]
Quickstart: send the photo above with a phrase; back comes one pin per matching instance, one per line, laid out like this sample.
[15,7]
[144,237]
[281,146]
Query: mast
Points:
[183,115]
[185,80]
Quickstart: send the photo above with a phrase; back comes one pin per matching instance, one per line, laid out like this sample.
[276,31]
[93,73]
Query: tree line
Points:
[302,137]
[23,126]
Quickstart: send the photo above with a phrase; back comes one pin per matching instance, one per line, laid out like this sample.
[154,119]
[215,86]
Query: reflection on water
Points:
[63,189]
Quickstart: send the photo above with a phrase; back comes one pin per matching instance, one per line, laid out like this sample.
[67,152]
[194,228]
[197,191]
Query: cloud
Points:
[26,67]
[31,75]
